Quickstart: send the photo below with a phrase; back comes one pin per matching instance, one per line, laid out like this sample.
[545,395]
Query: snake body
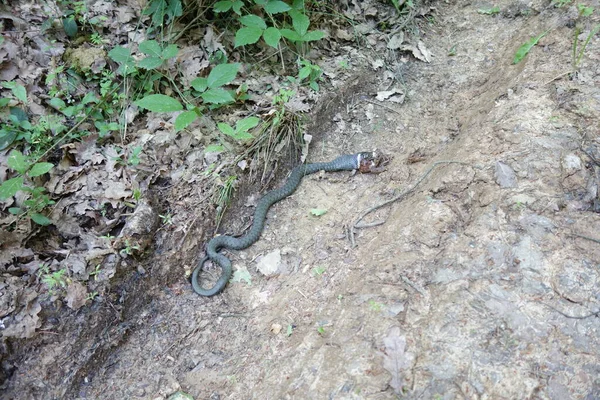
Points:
[346,162]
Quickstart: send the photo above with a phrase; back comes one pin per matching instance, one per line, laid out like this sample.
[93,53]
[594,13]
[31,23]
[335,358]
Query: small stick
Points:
[396,198]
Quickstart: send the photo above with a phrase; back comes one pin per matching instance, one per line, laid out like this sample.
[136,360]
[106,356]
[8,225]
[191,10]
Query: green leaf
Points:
[244,125]
[217,96]
[304,72]
[243,136]
[70,26]
[237,7]
[291,35]
[170,52]
[40,219]
[298,4]
[40,169]
[226,129]
[214,148]
[120,55]
[247,35]
[17,161]
[489,10]
[19,114]
[253,21]
[222,6]
[88,98]
[6,138]
[10,187]
[222,74]
[15,210]
[317,212]
[150,48]
[123,57]
[20,93]
[184,119]
[313,35]
[299,21]
[276,6]
[526,47]
[150,62]
[200,84]
[272,36]
[159,103]
[4,101]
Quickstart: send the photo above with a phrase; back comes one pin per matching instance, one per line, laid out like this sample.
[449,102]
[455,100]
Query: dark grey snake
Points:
[364,162]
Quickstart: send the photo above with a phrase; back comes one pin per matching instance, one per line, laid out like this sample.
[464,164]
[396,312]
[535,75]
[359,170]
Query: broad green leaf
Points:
[70,26]
[150,62]
[17,161]
[226,129]
[242,136]
[313,35]
[184,120]
[159,103]
[272,36]
[89,98]
[253,21]
[304,72]
[222,6]
[19,114]
[20,93]
[10,187]
[40,219]
[123,57]
[246,124]
[217,96]
[6,138]
[170,52]
[317,212]
[150,48]
[237,6]
[4,101]
[298,4]
[15,210]
[261,2]
[276,6]
[247,35]
[526,47]
[222,74]
[299,21]
[40,169]
[291,35]
[214,148]
[200,84]
[120,55]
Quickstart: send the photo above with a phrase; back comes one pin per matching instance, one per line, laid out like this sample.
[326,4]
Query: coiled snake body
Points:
[363,162]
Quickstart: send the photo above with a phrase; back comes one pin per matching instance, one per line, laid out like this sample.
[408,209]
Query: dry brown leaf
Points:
[395,358]
[76,295]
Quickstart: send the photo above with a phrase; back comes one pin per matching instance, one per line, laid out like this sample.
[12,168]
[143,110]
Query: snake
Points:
[363,162]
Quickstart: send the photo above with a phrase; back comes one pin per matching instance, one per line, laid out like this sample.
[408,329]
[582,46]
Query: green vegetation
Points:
[579,50]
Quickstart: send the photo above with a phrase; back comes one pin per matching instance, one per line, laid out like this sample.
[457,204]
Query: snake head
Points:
[369,162]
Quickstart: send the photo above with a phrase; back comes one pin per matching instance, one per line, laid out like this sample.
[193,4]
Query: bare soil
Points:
[483,283]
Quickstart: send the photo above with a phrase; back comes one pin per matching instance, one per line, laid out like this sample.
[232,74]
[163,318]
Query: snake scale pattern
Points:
[360,161]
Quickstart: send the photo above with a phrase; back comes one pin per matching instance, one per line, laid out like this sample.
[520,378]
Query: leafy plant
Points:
[311,72]
[53,280]
[254,26]
[524,49]
[37,200]
[584,11]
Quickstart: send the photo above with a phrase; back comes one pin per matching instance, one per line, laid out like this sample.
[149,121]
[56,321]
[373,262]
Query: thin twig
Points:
[396,198]
[585,237]
[382,105]
[593,314]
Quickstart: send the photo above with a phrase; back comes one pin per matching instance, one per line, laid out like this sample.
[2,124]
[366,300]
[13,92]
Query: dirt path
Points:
[482,284]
